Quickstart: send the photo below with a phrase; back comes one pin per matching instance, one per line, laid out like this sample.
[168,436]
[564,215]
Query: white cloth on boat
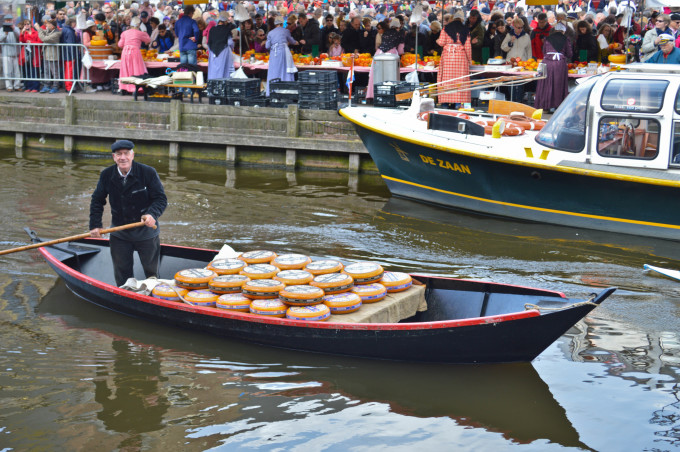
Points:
[227,252]
[145,286]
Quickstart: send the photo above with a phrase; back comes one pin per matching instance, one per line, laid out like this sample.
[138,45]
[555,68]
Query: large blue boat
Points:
[608,159]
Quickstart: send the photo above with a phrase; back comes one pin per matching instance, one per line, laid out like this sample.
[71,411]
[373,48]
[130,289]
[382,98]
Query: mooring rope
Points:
[530,306]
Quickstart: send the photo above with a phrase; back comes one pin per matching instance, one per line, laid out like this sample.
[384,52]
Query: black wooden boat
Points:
[465,321]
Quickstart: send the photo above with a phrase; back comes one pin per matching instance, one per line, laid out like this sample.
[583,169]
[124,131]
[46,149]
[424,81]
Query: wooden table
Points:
[146,90]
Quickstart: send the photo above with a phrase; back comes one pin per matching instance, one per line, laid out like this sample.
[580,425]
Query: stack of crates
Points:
[384,94]
[318,90]
[283,93]
[217,91]
[244,92]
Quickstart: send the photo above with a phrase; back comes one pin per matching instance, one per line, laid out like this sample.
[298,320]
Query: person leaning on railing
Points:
[32,57]
[50,35]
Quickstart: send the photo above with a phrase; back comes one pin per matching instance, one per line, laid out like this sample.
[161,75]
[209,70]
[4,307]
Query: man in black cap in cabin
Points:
[135,192]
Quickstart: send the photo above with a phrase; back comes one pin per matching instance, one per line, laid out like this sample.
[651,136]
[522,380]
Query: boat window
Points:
[675,152]
[632,138]
[566,130]
[643,96]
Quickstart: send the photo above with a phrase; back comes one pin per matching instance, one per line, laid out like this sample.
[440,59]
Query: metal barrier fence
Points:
[49,64]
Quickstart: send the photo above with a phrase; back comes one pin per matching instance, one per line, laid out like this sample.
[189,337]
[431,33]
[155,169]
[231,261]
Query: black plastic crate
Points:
[318,77]
[318,105]
[314,89]
[319,97]
[281,101]
[218,101]
[259,101]
[243,87]
[284,92]
[115,86]
[216,87]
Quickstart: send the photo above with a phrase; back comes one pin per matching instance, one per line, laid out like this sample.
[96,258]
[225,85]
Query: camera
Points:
[8,28]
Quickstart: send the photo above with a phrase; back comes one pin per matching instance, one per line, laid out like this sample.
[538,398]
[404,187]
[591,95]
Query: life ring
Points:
[258,256]
[294,277]
[194,278]
[203,298]
[370,293]
[227,283]
[226,266]
[342,303]
[168,292]
[323,266]
[260,271]
[316,313]
[333,282]
[425,115]
[396,281]
[301,295]
[233,302]
[364,272]
[525,122]
[291,261]
[509,130]
[269,308]
[262,288]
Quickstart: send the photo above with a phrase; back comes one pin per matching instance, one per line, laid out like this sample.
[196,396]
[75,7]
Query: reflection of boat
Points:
[465,321]
[511,399]
[567,173]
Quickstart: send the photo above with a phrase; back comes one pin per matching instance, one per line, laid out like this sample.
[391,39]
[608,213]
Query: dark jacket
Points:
[311,35]
[68,36]
[141,194]
[351,39]
[325,31]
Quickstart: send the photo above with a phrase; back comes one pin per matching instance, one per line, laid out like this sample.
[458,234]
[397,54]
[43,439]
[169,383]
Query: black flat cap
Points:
[122,144]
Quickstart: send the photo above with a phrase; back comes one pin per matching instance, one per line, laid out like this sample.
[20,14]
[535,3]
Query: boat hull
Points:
[510,337]
[508,188]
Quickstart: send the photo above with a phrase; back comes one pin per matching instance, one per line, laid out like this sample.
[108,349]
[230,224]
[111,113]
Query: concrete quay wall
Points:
[228,135]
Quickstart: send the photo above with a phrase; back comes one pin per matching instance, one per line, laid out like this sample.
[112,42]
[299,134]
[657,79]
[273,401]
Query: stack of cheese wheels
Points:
[227,283]
[301,295]
[260,271]
[204,298]
[291,261]
[257,257]
[342,303]
[323,266]
[294,277]
[194,278]
[226,266]
[333,282]
[233,302]
[364,272]
[272,307]
[314,313]
[262,288]
[168,292]
[396,281]
[370,293]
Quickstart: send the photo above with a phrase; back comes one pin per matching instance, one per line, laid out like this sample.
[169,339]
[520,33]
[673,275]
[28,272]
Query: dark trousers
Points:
[122,252]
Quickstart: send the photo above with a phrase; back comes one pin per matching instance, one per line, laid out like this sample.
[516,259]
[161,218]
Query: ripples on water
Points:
[76,377]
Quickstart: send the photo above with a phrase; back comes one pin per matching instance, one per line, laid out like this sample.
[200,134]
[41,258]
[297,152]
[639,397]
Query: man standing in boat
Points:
[134,191]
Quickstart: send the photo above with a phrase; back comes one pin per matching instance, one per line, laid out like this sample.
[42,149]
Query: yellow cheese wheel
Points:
[202,297]
[294,277]
[227,283]
[364,272]
[260,271]
[323,266]
[301,295]
[272,307]
[226,266]
[233,302]
[262,288]
[291,261]
[168,292]
[315,313]
[396,281]
[98,43]
[194,278]
[342,303]
[370,293]
[333,282]
[257,257]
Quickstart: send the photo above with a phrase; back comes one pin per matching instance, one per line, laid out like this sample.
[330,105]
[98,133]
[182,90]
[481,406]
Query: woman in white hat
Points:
[392,41]
[131,61]
[454,65]
[281,64]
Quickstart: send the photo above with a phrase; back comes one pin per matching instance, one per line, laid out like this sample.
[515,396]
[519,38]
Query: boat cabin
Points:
[629,118]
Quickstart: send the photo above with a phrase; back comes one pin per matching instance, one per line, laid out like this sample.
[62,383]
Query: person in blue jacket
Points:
[669,54]
[164,41]
[188,36]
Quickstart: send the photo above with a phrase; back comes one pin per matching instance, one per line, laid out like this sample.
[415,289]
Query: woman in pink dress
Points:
[131,61]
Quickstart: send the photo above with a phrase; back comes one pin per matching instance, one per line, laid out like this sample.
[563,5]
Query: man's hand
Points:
[95,233]
[149,221]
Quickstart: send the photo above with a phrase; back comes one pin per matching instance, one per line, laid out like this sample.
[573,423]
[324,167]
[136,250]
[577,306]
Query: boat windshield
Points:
[566,130]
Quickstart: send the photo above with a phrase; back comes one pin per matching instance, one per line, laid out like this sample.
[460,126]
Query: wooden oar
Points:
[72,238]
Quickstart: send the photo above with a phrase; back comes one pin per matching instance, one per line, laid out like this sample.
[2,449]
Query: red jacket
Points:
[537,37]
[32,37]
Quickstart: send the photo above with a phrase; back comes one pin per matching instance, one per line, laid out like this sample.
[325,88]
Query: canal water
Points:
[77,377]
